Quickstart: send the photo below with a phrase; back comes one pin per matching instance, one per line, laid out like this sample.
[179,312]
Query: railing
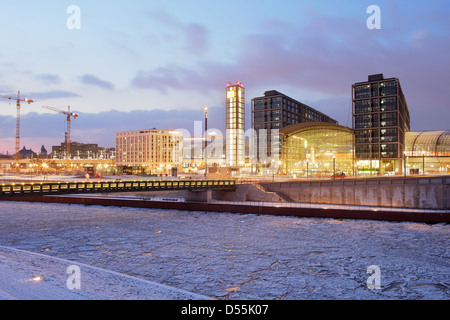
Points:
[368,181]
[50,188]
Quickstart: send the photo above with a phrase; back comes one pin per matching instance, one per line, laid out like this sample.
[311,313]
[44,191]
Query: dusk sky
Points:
[136,65]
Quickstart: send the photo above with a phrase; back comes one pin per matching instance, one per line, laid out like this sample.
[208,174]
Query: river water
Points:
[232,256]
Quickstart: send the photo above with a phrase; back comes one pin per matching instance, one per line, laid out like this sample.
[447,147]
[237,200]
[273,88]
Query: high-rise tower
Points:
[380,121]
[235,117]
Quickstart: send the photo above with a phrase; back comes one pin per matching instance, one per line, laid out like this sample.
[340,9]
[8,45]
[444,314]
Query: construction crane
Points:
[69,116]
[18,101]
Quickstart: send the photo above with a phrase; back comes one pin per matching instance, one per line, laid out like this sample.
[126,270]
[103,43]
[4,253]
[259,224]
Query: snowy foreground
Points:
[125,253]
[32,276]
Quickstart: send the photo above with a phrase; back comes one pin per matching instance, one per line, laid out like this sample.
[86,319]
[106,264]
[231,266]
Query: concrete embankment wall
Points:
[248,192]
[400,192]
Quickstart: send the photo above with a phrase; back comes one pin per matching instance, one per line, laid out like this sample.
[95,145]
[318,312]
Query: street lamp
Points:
[334,167]
[307,169]
[404,163]
[423,162]
[206,142]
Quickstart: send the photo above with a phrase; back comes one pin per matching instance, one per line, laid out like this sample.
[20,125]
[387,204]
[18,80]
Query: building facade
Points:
[275,111]
[149,151]
[325,149]
[82,151]
[380,121]
[235,128]
[427,152]
[317,149]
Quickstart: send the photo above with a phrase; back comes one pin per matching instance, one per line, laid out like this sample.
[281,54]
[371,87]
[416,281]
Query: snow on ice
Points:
[126,253]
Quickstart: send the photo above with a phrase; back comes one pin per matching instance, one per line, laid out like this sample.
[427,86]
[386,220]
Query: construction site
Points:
[70,157]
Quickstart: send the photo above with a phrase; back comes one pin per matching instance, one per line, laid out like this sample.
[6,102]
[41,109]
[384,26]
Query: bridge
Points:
[424,200]
[8,190]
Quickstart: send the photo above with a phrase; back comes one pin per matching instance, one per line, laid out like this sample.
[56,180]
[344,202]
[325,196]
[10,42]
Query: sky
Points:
[133,65]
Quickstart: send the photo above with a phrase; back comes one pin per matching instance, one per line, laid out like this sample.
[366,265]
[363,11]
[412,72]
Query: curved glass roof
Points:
[299,127]
[317,149]
[428,143]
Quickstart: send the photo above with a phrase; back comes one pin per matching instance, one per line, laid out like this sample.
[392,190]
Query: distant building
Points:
[43,153]
[151,151]
[193,151]
[79,151]
[235,120]
[380,120]
[27,153]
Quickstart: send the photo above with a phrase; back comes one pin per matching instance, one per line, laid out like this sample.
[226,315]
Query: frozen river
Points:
[230,256]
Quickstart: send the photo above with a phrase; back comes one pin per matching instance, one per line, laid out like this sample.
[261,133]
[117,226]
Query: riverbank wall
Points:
[397,192]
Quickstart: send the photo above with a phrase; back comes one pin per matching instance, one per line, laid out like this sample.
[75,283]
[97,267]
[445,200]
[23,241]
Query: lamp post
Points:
[307,169]
[334,167]
[423,162]
[206,142]
[404,163]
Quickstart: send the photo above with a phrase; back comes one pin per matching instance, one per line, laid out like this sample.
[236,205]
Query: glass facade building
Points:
[380,122]
[235,120]
[323,149]
[275,111]
[315,149]
[427,152]
[380,142]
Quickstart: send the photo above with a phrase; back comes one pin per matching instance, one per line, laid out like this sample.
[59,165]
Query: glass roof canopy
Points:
[322,149]
[317,149]
[428,143]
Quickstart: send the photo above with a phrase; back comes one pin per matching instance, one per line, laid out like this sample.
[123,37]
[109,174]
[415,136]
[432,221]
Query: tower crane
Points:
[69,116]
[18,101]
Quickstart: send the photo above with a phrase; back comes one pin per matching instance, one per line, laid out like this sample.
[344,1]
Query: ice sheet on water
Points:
[264,257]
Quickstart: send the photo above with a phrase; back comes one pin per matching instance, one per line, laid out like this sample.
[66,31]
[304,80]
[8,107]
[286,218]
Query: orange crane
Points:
[18,101]
[69,116]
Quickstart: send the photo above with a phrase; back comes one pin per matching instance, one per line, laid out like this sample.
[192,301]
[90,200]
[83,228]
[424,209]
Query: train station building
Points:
[316,149]
[379,143]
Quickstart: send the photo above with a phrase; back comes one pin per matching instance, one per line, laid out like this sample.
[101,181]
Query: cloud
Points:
[165,18]
[299,58]
[196,38]
[160,79]
[205,78]
[48,78]
[321,58]
[54,94]
[96,81]
[7,126]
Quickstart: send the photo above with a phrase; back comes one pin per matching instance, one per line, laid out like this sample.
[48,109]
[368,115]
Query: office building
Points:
[275,111]
[81,151]
[380,142]
[235,120]
[150,151]
[380,121]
